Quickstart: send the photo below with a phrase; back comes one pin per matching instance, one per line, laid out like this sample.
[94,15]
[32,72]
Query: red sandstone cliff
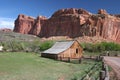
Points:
[29,25]
[73,23]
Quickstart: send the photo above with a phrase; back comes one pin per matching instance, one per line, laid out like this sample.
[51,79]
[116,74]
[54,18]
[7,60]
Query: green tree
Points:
[46,45]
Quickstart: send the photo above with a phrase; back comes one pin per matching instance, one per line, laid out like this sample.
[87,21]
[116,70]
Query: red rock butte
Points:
[72,23]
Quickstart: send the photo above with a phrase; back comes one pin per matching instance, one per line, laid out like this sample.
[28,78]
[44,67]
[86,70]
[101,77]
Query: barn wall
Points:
[73,48]
[71,52]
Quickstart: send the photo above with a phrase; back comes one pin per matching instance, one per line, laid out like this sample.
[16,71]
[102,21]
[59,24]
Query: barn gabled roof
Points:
[59,47]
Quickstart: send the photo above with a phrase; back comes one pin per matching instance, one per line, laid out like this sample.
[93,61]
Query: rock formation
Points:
[28,25]
[6,30]
[72,23]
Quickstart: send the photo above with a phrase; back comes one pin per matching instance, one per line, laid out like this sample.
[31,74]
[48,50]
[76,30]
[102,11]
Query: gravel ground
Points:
[114,62]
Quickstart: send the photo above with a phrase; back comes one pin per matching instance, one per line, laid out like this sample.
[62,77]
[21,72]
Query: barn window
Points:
[76,50]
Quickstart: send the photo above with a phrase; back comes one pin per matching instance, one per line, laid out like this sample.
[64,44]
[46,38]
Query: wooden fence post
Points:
[68,59]
[105,69]
[116,54]
[103,66]
[101,57]
[108,54]
[97,58]
[80,60]
[102,75]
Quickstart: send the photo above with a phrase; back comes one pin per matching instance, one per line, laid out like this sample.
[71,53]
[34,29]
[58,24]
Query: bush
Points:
[21,46]
[46,45]
[99,47]
[33,46]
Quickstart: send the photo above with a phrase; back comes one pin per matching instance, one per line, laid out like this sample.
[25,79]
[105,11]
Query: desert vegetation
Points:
[22,42]
[99,47]
[17,42]
[24,46]
[38,46]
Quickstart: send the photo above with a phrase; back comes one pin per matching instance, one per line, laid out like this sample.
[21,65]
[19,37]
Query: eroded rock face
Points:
[72,23]
[23,24]
[102,11]
[70,11]
[29,25]
[111,29]
[67,22]
[38,24]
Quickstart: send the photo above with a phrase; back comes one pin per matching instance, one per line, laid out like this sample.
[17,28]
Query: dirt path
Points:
[114,62]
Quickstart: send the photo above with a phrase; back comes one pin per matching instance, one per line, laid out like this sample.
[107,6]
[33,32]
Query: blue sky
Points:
[10,9]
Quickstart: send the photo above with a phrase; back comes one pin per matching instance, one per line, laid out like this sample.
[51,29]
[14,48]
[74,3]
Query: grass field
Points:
[30,66]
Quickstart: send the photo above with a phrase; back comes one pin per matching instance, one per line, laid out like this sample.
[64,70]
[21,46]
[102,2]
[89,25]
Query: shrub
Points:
[99,47]
[46,45]
[32,46]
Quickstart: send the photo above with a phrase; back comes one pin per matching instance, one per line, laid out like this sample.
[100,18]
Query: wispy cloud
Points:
[6,23]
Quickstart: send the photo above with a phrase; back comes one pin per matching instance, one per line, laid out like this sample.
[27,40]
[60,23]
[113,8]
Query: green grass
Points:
[29,66]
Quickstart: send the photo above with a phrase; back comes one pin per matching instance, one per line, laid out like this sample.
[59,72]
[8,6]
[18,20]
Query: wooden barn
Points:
[64,49]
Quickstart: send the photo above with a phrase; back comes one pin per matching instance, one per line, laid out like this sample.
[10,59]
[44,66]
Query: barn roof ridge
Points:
[66,40]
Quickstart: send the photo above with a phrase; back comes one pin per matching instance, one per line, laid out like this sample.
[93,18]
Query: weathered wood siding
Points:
[75,51]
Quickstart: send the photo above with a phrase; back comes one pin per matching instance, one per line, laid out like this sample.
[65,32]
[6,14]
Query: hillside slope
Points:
[12,36]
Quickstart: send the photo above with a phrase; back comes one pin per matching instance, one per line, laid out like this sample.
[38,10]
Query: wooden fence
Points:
[97,58]
[79,60]
[110,53]
[104,73]
[68,59]
[92,73]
